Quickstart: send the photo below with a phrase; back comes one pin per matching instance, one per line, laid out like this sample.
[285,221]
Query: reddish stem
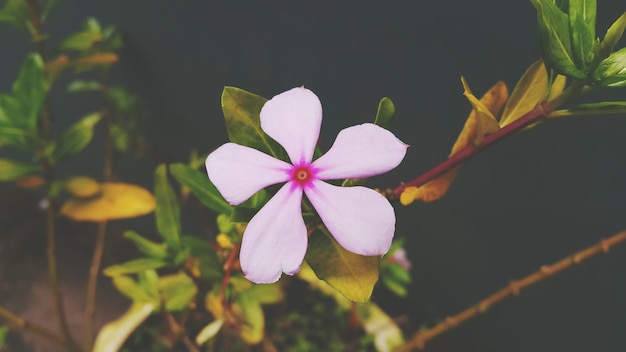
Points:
[230,262]
[537,114]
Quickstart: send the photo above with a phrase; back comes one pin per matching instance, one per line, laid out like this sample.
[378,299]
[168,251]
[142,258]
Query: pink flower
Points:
[360,219]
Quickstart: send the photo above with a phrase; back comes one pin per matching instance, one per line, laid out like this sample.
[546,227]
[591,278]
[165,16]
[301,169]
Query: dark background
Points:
[534,198]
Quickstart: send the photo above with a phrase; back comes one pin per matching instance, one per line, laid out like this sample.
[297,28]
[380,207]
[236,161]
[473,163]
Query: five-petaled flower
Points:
[360,219]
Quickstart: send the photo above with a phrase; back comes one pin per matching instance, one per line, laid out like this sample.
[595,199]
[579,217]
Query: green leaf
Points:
[266,293]
[76,138]
[177,291]
[612,70]
[15,137]
[386,112]
[11,169]
[134,266]
[84,39]
[4,331]
[208,262]
[29,94]
[47,7]
[201,187]
[209,331]
[253,328]
[84,86]
[242,214]
[351,274]
[147,247]
[387,334]
[582,18]
[605,107]
[112,335]
[554,35]
[167,209]
[241,113]
[16,13]
[530,90]
[136,291]
[395,277]
[612,36]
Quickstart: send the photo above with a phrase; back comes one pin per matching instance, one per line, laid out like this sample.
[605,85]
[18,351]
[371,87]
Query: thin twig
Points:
[230,262]
[26,325]
[92,285]
[512,289]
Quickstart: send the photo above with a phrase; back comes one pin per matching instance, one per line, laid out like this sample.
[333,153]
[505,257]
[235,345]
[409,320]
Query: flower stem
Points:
[539,113]
[230,262]
[92,285]
[26,325]
[420,338]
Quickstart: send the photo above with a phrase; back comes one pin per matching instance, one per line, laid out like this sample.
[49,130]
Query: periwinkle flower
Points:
[360,219]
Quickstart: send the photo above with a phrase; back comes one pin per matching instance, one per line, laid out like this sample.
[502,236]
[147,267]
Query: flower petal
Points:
[361,151]
[238,172]
[293,119]
[275,240]
[361,220]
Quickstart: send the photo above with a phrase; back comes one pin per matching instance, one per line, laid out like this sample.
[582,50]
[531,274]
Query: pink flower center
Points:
[302,175]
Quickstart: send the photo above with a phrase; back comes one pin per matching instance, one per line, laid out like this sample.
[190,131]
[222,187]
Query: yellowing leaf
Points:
[213,303]
[100,59]
[530,90]
[113,335]
[557,86]
[479,123]
[55,67]
[115,201]
[82,186]
[32,181]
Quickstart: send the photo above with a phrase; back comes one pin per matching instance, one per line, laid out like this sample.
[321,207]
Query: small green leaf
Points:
[15,137]
[134,266]
[351,274]
[4,331]
[147,247]
[47,7]
[167,209]
[612,36]
[253,327]
[201,187]
[386,112]
[242,214]
[84,86]
[605,107]
[209,332]
[29,92]
[582,18]
[177,291]
[612,70]
[76,138]
[554,35]
[395,277]
[134,290]
[11,170]
[266,293]
[112,336]
[242,115]
[84,39]
[16,13]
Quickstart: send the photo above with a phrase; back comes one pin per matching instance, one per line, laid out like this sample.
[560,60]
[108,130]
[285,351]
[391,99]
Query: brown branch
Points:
[92,284]
[512,289]
[26,325]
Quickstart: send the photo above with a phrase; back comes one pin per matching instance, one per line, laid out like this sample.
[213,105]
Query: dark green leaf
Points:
[83,86]
[201,187]
[554,35]
[167,209]
[29,91]
[177,291]
[209,264]
[134,266]
[76,138]
[147,247]
[16,13]
[47,7]
[241,113]
[15,137]
[386,112]
[11,170]
[242,214]
[612,36]
[352,275]
[582,18]
[612,70]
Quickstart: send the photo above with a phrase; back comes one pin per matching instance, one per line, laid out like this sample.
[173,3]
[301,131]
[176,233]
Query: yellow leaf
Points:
[213,303]
[557,86]
[100,59]
[55,67]
[31,181]
[115,201]
[530,90]
[479,123]
[82,186]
